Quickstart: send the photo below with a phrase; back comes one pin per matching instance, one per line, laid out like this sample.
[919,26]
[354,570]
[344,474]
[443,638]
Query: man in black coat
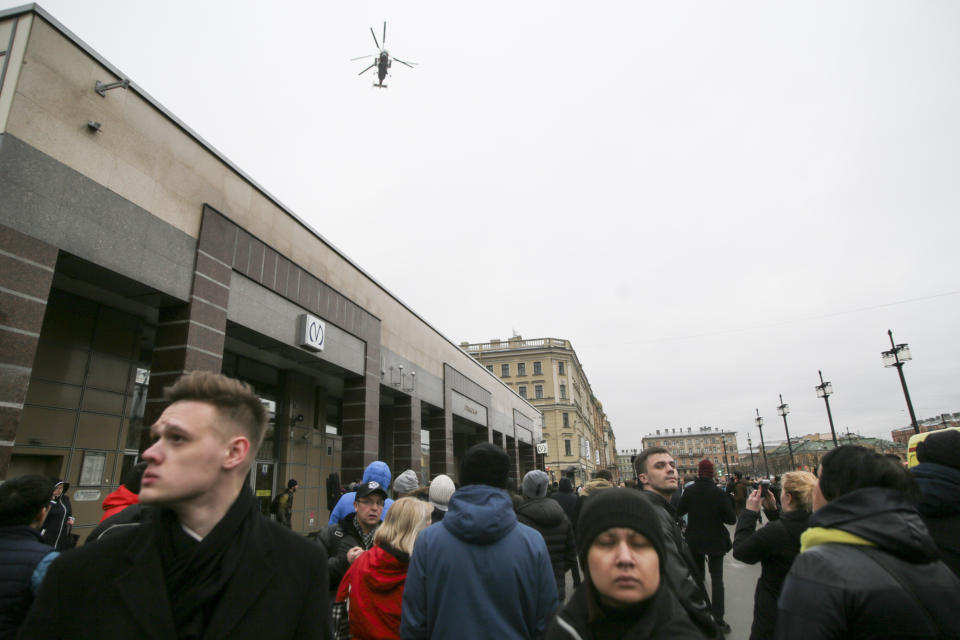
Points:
[23,557]
[346,540]
[206,564]
[568,502]
[657,473]
[709,510]
[938,478]
[547,517]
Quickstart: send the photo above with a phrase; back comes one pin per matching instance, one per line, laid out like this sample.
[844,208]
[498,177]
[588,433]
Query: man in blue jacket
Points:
[479,573]
[376,471]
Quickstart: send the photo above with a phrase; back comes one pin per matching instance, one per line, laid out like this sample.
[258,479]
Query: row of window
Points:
[522,369]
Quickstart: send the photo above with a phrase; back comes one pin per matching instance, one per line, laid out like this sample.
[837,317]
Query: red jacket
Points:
[118,501]
[375,583]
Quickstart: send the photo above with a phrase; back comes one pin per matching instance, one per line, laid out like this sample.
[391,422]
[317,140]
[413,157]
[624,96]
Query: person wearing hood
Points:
[547,517]
[868,567]
[441,489]
[374,582]
[56,528]
[376,471]
[624,592]
[479,573]
[938,478]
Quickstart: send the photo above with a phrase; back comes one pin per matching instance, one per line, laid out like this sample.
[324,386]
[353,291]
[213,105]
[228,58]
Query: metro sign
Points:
[311,332]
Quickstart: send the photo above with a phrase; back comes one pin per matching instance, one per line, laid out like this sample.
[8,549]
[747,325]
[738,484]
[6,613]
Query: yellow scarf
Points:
[815,536]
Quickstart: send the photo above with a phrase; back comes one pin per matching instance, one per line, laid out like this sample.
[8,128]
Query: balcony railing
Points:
[511,344]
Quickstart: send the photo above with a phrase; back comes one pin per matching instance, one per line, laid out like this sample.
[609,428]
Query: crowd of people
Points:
[865,548]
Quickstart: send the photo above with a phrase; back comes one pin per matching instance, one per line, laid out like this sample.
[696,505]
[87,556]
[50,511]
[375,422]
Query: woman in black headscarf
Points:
[56,528]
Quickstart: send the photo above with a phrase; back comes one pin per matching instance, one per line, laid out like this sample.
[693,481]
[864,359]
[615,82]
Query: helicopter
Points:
[382,61]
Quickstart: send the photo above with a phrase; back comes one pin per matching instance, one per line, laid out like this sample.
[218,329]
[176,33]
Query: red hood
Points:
[117,501]
[384,572]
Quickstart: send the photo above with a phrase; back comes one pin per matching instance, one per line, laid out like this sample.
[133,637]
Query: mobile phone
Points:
[764,488]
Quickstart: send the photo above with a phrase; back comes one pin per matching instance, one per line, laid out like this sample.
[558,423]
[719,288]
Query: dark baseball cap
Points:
[364,489]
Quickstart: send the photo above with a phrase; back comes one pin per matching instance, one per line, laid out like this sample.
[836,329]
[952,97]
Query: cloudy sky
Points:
[711,200]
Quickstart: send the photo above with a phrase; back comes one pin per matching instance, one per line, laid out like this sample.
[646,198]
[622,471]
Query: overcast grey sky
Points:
[710,200]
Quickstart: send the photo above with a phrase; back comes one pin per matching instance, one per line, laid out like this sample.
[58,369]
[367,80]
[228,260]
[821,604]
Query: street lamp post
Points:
[726,463]
[763,447]
[783,410]
[753,463]
[896,357]
[825,390]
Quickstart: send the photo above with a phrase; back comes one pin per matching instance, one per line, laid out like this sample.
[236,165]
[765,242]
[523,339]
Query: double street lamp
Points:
[753,463]
[895,357]
[825,390]
[763,447]
[783,410]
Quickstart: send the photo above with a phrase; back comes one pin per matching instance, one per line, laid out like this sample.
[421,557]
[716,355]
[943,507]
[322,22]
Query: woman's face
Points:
[57,491]
[624,567]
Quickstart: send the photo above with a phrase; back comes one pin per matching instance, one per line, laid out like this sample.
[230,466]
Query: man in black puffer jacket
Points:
[938,477]
[23,557]
[353,535]
[868,567]
[547,517]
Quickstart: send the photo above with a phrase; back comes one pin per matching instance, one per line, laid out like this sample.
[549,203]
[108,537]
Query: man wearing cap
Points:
[376,470]
[709,510]
[353,535]
[547,517]
[283,509]
[479,573]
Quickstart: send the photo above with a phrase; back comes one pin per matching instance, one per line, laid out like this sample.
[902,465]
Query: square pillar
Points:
[361,424]
[406,434]
[440,426]
[26,272]
[514,459]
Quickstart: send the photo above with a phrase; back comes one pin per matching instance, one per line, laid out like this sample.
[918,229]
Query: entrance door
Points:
[263,485]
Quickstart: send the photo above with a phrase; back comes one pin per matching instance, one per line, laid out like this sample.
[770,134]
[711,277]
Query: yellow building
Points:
[546,371]
[691,445]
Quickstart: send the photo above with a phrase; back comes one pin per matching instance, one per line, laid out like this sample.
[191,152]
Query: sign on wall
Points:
[311,332]
[542,448]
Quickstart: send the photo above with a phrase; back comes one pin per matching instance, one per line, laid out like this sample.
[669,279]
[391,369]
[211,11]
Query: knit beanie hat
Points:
[613,508]
[941,448]
[440,491]
[406,482]
[535,484]
[705,469]
[485,463]
[565,485]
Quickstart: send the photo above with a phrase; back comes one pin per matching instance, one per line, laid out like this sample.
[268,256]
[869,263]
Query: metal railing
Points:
[510,344]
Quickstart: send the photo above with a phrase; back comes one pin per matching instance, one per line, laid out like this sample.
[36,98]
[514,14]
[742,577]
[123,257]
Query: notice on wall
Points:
[92,471]
[86,495]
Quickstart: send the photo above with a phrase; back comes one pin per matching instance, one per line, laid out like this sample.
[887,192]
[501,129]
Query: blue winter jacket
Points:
[376,470]
[478,573]
[21,556]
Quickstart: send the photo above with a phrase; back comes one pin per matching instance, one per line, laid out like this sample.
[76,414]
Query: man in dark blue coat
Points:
[24,557]
[479,573]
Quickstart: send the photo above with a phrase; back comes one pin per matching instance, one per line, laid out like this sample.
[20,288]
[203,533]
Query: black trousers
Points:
[715,564]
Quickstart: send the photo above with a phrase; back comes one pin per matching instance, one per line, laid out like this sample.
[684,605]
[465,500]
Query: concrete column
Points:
[514,460]
[440,426]
[361,424]
[26,272]
[406,434]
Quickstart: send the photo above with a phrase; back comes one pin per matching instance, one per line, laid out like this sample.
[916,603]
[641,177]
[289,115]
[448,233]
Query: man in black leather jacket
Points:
[868,567]
[657,473]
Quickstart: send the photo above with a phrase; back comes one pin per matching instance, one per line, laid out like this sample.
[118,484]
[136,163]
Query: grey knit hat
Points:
[441,489]
[406,482]
[535,484]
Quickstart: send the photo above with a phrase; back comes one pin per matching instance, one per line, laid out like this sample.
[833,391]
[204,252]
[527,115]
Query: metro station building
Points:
[131,252]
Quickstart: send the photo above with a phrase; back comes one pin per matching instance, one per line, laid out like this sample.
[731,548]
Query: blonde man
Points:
[205,563]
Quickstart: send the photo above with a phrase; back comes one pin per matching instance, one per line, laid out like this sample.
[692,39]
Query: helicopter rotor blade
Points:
[384,33]
[367,69]
[409,64]
[362,57]
[375,38]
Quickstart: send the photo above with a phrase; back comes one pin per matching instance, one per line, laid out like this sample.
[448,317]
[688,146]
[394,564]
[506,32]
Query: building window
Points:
[537,369]
[563,392]
[566,419]
[490,368]
[522,390]
[538,391]
[505,371]
[521,368]
[560,368]
[567,451]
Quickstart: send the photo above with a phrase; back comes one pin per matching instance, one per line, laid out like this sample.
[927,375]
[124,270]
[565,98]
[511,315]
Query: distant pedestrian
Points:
[479,573]
[657,472]
[126,494]
[708,510]
[625,592]
[741,489]
[938,478]
[868,567]
[374,582]
[282,505]
[441,490]
[547,517]
[24,558]
[57,528]
[774,546]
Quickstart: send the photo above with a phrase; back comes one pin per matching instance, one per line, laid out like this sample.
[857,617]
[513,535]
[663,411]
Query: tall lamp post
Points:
[825,390]
[726,463]
[783,410]
[753,463]
[763,447]
[895,357]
